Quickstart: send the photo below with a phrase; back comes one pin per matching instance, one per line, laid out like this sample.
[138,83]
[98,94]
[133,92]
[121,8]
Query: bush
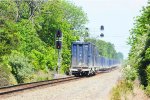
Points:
[21,67]
[148,90]
[43,61]
[6,77]
[148,74]
[129,73]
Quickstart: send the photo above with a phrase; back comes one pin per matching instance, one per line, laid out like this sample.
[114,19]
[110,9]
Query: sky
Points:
[115,15]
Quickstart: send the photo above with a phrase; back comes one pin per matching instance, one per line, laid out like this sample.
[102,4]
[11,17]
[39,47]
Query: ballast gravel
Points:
[92,88]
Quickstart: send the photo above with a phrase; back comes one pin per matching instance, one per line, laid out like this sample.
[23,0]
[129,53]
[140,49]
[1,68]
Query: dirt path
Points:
[93,88]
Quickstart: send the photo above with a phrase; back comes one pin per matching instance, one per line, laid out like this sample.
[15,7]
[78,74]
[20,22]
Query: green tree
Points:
[106,49]
[140,42]
[28,34]
[56,15]
[119,56]
[9,38]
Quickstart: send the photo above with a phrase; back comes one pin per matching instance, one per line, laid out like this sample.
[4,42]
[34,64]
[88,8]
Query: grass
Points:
[123,88]
[41,76]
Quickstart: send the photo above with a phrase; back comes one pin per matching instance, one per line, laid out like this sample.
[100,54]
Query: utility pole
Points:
[58,38]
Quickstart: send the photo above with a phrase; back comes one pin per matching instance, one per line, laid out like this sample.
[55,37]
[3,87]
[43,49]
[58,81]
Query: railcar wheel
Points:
[82,74]
[87,73]
[70,73]
[93,73]
[76,75]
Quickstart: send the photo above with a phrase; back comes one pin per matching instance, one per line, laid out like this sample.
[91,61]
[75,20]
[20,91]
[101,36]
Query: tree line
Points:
[139,56]
[106,49]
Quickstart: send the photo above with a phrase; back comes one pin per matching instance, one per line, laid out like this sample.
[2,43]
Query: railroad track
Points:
[12,90]
[9,90]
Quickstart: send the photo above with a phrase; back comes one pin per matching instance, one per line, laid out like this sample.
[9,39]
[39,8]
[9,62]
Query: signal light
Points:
[101,35]
[58,44]
[59,34]
[102,27]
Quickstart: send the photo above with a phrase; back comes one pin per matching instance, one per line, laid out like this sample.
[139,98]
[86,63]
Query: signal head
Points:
[58,33]
[58,44]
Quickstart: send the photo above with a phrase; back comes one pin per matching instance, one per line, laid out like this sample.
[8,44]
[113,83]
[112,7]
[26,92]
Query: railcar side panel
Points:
[80,55]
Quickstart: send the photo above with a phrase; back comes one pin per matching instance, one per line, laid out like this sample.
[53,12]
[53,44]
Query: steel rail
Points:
[27,86]
[21,87]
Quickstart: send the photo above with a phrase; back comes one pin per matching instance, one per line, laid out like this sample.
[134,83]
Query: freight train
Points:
[87,61]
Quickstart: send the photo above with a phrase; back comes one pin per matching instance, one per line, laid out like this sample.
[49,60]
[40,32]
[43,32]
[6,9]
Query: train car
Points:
[86,59]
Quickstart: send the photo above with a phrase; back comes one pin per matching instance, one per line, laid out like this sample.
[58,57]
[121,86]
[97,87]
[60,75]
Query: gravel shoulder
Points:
[93,88]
